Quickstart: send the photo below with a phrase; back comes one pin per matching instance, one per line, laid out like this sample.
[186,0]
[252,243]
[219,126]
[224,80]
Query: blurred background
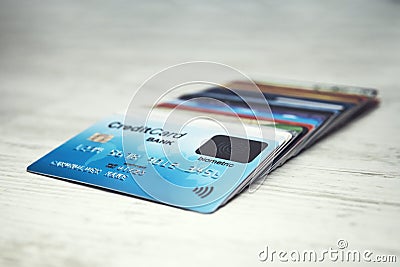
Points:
[108,48]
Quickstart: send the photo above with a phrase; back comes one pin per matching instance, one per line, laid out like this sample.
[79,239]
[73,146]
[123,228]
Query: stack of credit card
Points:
[197,149]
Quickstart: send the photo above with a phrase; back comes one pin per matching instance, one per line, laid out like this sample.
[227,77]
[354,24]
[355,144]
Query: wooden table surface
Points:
[65,65]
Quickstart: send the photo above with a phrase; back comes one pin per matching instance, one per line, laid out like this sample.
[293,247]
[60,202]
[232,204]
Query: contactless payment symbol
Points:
[203,191]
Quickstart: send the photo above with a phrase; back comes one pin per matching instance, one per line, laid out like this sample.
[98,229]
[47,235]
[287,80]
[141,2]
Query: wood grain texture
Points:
[64,65]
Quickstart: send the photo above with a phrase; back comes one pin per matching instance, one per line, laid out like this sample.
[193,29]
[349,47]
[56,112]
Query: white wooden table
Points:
[65,65]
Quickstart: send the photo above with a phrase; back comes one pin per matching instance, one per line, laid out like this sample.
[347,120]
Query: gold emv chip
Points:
[100,138]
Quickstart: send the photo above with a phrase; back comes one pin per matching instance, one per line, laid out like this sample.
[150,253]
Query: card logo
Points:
[146,130]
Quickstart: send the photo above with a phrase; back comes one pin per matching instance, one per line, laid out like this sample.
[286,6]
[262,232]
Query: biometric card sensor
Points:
[232,148]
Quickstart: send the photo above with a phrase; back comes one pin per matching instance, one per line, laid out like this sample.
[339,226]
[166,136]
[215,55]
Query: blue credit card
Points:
[196,166]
